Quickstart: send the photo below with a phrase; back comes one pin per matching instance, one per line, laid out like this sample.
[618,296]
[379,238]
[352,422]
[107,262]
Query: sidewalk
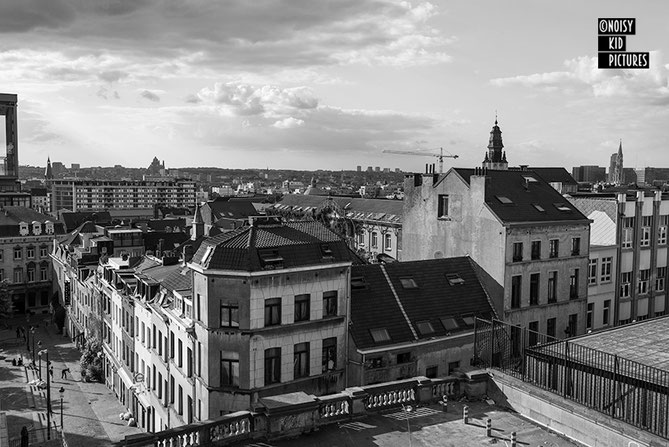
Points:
[90,410]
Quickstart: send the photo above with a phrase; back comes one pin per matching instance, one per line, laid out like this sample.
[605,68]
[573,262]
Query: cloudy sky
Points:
[311,84]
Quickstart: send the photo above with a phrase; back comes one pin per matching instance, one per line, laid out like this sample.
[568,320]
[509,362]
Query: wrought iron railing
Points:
[623,389]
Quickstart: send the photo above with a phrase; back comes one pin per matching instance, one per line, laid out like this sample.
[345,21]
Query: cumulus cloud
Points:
[266,100]
[581,75]
[112,76]
[150,95]
[288,123]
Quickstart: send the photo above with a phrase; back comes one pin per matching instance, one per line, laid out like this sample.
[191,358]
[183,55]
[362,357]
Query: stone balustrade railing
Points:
[351,403]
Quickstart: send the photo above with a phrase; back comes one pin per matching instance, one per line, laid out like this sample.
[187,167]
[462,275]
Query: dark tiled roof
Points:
[74,219]
[295,243]
[11,216]
[555,175]
[224,208]
[357,208]
[528,201]
[170,240]
[435,298]
[84,228]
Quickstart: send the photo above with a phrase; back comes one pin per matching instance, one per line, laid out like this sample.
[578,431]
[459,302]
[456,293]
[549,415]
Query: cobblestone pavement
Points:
[90,410]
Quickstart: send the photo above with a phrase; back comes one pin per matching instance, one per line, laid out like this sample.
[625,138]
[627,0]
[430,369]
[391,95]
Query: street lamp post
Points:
[48,398]
[61,391]
[32,331]
[408,409]
[39,355]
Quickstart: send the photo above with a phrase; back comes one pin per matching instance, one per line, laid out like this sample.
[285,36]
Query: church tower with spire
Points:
[48,173]
[619,165]
[495,158]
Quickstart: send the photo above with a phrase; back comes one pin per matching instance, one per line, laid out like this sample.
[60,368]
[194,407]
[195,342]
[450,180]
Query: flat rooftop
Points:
[427,426]
[645,342]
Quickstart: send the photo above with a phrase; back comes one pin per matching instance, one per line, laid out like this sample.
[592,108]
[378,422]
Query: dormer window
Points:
[454,279]
[37,228]
[270,259]
[48,227]
[23,229]
[408,283]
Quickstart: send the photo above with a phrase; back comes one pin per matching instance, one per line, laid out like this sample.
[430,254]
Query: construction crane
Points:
[440,155]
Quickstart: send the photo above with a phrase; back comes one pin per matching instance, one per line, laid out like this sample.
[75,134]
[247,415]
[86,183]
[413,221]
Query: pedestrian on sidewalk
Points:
[51,371]
[63,374]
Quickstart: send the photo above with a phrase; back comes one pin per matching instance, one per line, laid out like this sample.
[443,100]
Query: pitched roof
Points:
[554,174]
[587,205]
[436,291]
[523,196]
[354,207]
[222,207]
[269,244]
[12,216]
[74,219]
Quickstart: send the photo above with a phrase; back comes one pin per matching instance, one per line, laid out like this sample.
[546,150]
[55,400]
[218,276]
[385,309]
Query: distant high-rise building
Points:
[9,171]
[359,168]
[589,173]
[398,170]
[370,169]
[377,169]
[75,166]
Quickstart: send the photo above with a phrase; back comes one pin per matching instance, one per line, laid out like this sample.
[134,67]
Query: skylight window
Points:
[379,335]
[326,251]
[504,200]
[468,319]
[425,327]
[539,207]
[358,282]
[563,207]
[454,279]
[529,178]
[408,283]
[449,323]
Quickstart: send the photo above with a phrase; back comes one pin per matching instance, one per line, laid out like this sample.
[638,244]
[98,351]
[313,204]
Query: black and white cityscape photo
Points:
[338,223]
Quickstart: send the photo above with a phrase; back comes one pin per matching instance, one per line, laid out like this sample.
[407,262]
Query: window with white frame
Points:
[646,221]
[625,284]
[660,279]
[628,232]
[662,229]
[644,279]
[592,272]
[387,242]
[605,272]
[375,240]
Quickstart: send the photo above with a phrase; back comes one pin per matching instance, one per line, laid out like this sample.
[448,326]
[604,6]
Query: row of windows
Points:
[551,329]
[603,274]
[643,283]
[606,314]
[374,240]
[31,274]
[535,281]
[272,360]
[302,310]
[553,249]
[645,235]
[30,253]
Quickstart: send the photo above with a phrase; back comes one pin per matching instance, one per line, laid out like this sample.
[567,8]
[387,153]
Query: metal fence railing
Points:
[621,388]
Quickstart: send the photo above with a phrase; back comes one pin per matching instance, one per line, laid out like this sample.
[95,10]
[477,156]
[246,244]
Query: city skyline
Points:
[307,86]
